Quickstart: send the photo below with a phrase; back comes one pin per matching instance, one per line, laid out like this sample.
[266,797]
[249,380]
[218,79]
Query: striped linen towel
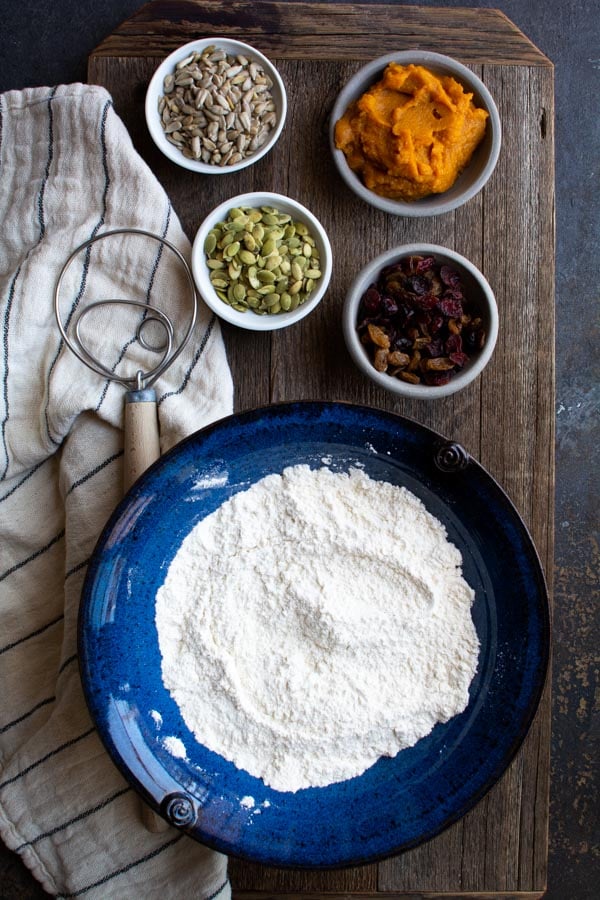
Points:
[68,171]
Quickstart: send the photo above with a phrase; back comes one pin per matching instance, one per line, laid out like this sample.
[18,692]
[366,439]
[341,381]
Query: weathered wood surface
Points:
[505,419]
[361,31]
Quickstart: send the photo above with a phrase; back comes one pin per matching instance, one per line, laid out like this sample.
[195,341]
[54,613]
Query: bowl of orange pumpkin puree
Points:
[415,133]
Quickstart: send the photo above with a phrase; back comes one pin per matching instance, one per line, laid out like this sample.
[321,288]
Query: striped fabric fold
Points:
[68,172]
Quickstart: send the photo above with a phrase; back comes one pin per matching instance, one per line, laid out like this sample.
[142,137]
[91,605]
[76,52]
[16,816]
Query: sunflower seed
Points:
[222,99]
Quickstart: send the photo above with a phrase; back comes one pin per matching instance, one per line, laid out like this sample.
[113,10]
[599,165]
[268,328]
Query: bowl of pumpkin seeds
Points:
[261,261]
[215,106]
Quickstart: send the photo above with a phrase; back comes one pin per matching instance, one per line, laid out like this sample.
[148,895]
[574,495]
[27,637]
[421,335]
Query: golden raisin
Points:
[378,336]
[397,358]
[380,360]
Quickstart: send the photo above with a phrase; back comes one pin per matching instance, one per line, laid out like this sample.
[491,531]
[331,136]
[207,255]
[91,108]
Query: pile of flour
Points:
[314,623]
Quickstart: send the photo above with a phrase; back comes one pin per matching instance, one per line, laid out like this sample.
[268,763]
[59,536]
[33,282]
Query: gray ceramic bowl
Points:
[477,290]
[472,178]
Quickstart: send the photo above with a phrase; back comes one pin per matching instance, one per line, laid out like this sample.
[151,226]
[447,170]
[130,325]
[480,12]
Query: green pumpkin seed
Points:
[228,238]
[269,247]
[266,277]
[231,250]
[273,262]
[260,259]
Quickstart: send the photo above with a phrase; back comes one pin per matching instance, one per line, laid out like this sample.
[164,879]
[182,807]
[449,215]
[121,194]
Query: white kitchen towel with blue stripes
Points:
[68,171]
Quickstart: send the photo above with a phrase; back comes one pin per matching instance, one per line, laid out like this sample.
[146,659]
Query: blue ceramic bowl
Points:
[397,803]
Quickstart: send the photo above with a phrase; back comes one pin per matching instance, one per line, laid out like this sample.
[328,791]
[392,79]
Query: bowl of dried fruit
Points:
[215,106]
[415,133]
[261,261]
[421,321]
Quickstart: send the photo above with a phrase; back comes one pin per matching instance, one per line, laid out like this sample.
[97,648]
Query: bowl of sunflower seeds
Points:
[215,106]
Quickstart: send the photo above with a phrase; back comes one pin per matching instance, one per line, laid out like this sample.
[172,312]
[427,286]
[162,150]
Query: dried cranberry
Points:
[402,343]
[458,358]
[450,308]
[426,301]
[453,294]
[371,300]
[453,344]
[424,264]
[449,276]
[437,378]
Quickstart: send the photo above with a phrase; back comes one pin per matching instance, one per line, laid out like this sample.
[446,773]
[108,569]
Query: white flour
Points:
[314,623]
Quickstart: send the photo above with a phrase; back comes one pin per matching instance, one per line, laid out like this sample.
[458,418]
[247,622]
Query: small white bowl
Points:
[250,320]
[472,178]
[156,91]
[479,293]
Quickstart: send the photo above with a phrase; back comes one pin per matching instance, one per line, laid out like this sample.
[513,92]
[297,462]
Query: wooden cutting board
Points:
[505,419]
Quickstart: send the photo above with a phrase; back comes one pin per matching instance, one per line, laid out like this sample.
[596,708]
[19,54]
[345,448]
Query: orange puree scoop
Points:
[411,134]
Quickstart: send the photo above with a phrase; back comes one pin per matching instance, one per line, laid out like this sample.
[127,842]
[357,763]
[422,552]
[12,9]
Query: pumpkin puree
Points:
[411,134]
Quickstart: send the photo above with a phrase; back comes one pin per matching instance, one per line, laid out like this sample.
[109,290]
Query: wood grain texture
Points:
[333,31]
[377,895]
[505,419]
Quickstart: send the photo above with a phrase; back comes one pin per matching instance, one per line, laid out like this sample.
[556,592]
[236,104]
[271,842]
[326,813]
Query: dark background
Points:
[45,42]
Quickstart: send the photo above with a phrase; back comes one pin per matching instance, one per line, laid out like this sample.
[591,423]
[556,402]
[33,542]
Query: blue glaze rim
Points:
[398,803]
